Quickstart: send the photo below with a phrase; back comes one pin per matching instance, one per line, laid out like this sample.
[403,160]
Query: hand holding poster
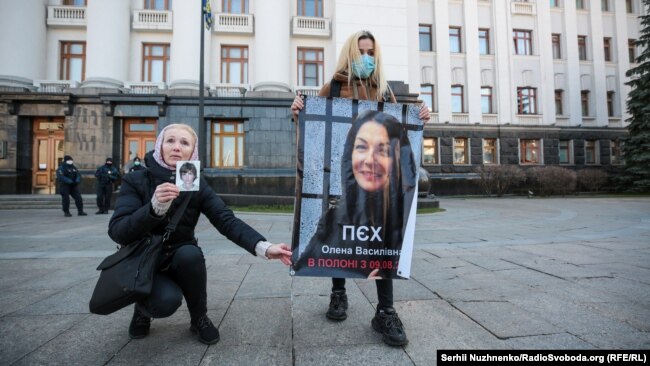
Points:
[357,188]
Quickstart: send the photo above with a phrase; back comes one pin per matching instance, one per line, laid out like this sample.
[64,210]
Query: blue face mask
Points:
[363,68]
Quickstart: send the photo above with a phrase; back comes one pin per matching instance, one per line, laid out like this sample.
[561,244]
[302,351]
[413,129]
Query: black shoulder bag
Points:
[127,275]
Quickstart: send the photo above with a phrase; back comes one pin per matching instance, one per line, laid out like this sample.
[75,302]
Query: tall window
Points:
[631,50]
[73,61]
[310,8]
[615,152]
[559,107]
[158,4]
[607,48]
[155,62]
[584,101]
[582,47]
[565,151]
[530,151]
[610,103]
[629,6]
[227,144]
[556,45]
[457,99]
[310,66]
[455,44]
[430,151]
[486,100]
[555,3]
[604,5]
[426,94]
[527,100]
[580,4]
[523,42]
[490,151]
[75,2]
[484,41]
[425,37]
[591,152]
[235,6]
[234,64]
[461,150]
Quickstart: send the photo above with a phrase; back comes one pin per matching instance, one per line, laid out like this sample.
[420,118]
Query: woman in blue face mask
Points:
[360,75]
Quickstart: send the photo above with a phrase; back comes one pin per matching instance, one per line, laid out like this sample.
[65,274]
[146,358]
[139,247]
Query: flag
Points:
[207,14]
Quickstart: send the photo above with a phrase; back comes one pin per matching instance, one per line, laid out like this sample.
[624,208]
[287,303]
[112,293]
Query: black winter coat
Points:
[134,217]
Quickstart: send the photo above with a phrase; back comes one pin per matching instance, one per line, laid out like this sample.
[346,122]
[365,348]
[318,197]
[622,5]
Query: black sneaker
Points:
[388,324]
[82,214]
[338,305]
[67,214]
[140,324]
[206,331]
[99,212]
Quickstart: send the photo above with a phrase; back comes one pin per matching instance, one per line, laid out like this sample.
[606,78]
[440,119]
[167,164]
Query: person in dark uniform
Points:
[106,175]
[69,178]
[137,165]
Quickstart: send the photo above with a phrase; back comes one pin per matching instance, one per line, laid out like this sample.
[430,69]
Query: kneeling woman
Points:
[182,270]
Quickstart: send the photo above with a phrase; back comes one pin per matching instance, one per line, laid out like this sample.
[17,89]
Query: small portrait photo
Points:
[187,175]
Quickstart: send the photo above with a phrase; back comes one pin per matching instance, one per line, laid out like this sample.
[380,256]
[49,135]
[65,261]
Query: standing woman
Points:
[182,271]
[360,75]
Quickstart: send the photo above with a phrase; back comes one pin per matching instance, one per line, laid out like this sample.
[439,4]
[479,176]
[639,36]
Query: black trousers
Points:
[185,277]
[104,194]
[384,291]
[67,190]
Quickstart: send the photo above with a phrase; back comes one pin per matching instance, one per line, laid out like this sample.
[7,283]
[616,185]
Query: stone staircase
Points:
[42,201]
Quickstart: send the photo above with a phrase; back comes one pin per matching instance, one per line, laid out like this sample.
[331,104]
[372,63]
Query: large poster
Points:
[356,188]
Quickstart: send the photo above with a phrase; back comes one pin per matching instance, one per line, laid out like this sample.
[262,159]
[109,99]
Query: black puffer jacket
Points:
[134,217]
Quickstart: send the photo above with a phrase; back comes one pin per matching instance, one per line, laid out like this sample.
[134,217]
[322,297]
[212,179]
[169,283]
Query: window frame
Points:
[302,7]
[531,93]
[422,92]
[320,64]
[581,5]
[150,58]
[526,36]
[556,45]
[631,50]
[604,5]
[489,99]
[466,151]
[436,150]
[226,7]
[582,48]
[462,98]
[596,149]
[619,146]
[629,6]
[72,3]
[459,40]
[495,152]
[243,61]
[555,3]
[151,5]
[611,105]
[65,57]
[429,34]
[569,152]
[240,137]
[485,39]
[559,100]
[607,48]
[523,148]
[584,103]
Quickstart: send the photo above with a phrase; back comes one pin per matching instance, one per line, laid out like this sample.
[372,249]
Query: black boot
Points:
[67,214]
[206,331]
[140,324]
[338,305]
[390,326]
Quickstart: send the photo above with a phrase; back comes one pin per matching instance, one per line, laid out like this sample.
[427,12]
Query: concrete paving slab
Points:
[264,322]
[266,280]
[353,355]
[505,320]
[223,355]
[552,341]
[320,286]
[69,301]
[402,290]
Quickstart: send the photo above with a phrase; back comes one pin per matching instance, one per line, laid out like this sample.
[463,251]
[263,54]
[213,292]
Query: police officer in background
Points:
[137,165]
[69,178]
[106,175]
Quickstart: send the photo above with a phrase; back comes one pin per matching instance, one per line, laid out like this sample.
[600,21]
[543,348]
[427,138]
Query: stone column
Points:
[443,61]
[598,100]
[185,47]
[107,43]
[23,42]
[272,46]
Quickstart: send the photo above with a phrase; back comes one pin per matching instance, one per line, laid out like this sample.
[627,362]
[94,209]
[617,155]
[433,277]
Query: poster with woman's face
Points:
[187,175]
[357,188]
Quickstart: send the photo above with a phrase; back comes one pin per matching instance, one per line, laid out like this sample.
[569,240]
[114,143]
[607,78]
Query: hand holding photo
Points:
[187,175]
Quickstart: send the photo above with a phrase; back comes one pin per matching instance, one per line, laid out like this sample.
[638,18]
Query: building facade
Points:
[508,82]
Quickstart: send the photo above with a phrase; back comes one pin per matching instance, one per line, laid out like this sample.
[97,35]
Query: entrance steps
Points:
[43,201]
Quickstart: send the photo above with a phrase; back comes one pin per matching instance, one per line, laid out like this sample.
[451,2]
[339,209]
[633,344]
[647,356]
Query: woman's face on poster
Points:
[188,178]
[371,160]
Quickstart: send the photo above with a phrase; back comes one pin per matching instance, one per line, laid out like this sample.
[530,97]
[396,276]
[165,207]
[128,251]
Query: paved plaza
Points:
[509,273]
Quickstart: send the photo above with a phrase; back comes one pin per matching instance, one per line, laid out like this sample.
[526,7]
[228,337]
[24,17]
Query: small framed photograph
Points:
[187,175]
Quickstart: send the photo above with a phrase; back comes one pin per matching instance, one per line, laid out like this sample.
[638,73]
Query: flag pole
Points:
[201,128]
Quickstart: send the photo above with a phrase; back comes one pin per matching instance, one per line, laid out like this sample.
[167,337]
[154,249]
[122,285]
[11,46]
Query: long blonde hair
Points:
[350,52]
